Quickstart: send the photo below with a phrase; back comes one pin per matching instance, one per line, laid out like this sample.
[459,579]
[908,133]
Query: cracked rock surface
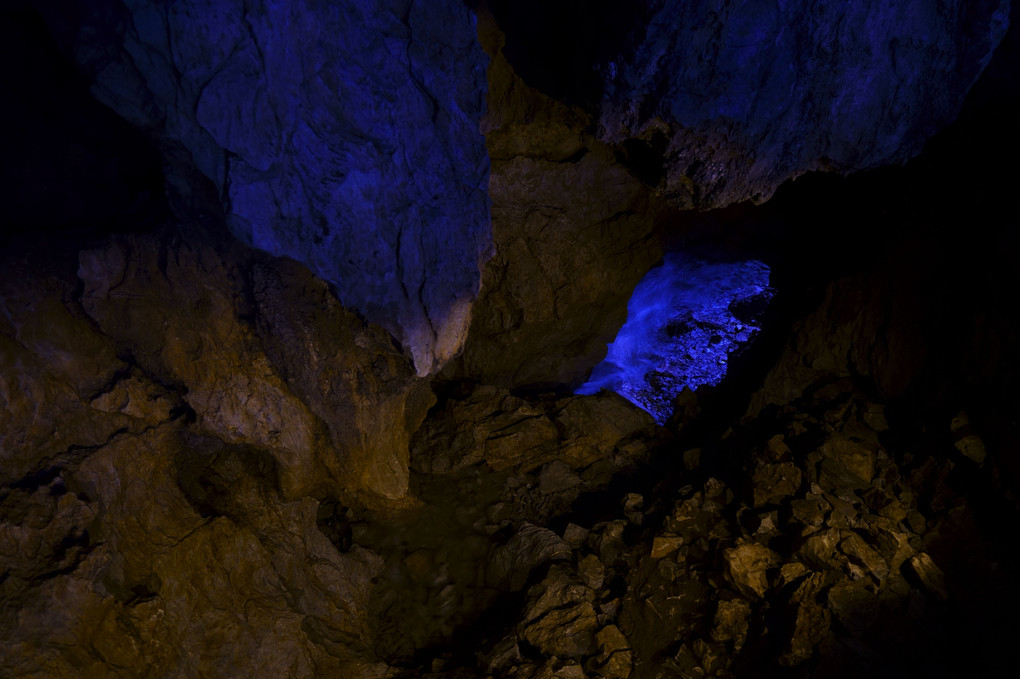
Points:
[722,102]
[345,137]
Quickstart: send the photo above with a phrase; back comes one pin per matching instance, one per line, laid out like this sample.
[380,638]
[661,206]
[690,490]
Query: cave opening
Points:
[685,319]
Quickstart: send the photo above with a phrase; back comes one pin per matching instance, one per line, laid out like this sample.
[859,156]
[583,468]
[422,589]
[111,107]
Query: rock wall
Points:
[145,329]
[722,102]
[345,137]
[596,138]
[360,156]
[573,231]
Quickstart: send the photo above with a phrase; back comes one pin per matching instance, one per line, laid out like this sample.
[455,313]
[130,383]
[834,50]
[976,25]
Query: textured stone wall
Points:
[723,101]
[343,135]
[599,126]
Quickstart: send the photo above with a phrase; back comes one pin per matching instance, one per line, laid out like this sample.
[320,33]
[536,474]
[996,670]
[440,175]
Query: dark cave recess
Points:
[72,169]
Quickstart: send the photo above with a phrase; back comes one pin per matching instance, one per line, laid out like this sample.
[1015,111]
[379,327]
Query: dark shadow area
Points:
[558,46]
[72,169]
[219,479]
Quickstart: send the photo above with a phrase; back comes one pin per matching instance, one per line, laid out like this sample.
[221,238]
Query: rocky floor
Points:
[187,491]
[811,541]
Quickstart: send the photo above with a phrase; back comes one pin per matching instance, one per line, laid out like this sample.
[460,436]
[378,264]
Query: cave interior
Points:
[537,340]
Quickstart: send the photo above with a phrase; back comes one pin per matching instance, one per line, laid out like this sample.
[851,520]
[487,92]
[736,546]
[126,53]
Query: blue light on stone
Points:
[344,135]
[780,88]
[684,320]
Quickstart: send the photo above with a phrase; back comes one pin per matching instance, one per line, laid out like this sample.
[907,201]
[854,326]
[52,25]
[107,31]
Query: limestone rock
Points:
[504,431]
[853,606]
[162,587]
[559,618]
[344,138]
[819,550]
[179,312]
[557,476]
[930,575]
[967,441]
[610,543]
[529,547]
[664,545]
[764,111]
[809,624]
[863,559]
[63,387]
[309,380]
[776,448]
[731,622]
[746,564]
[790,572]
[885,505]
[811,510]
[348,373]
[575,535]
[595,427]
[489,425]
[573,232]
[615,658]
[592,572]
[774,482]
[42,531]
[846,510]
[891,541]
[855,448]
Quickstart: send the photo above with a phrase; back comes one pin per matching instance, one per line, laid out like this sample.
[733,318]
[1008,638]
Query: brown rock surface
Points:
[573,233]
[746,565]
[809,623]
[774,482]
[63,387]
[178,310]
[559,618]
[348,372]
[159,452]
[209,467]
[730,622]
[504,431]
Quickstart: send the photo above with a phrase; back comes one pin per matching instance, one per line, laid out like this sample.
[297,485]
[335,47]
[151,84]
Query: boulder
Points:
[559,618]
[746,566]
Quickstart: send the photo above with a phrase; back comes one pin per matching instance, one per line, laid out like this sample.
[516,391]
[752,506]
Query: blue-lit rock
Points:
[343,135]
[736,97]
[683,321]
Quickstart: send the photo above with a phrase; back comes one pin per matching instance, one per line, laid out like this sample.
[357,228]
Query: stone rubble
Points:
[539,535]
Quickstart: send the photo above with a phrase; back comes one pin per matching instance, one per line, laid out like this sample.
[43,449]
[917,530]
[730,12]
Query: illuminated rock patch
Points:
[683,321]
[343,136]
